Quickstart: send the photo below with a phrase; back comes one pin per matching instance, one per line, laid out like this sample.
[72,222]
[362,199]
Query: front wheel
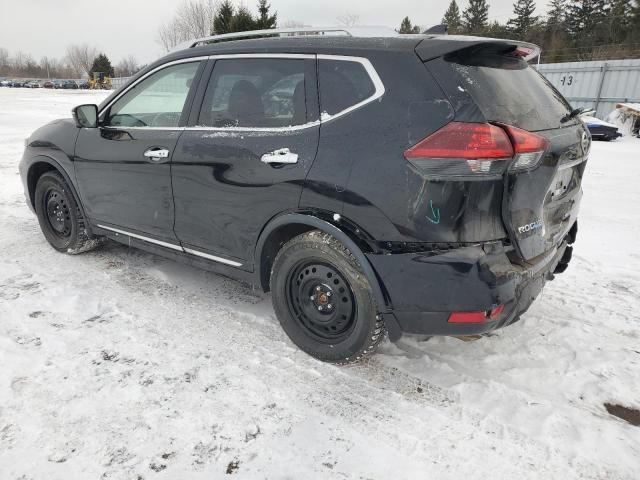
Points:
[323,299]
[60,218]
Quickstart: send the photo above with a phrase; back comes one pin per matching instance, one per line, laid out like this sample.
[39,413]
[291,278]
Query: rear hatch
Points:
[490,81]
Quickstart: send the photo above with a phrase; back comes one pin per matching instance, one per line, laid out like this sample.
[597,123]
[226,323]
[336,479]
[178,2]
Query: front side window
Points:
[255,93]
[157,101]
[343,84]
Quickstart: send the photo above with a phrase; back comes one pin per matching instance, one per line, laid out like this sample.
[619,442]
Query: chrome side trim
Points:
[212,257]
[142,237]
[307,56]
[167,129]
[254,129]
[171,246]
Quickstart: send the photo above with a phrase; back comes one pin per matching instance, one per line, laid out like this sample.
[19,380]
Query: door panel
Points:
[224,192]
[123,168]
[122,187]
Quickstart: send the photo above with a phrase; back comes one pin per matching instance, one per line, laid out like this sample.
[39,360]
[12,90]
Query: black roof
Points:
[329,44]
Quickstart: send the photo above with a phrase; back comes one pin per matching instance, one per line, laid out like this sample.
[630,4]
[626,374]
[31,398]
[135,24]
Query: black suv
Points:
[412,184]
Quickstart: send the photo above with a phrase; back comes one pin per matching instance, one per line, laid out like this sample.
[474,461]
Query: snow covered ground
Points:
[120,365]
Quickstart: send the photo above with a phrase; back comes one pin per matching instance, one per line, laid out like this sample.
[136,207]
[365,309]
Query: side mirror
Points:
[86,116]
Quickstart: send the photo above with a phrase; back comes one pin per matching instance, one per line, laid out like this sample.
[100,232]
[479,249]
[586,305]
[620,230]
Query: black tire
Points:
[323,299]
[60,218]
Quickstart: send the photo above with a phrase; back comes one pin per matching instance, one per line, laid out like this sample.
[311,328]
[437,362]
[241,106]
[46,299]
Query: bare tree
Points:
[169,36]
[193,19]
[348,19]
[292,24]
[20,60]
[81,56]
[46,65]
[4,57]
[127,67]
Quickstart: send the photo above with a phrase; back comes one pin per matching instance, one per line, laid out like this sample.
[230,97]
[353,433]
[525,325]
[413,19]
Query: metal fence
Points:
[597,84]
[117,82]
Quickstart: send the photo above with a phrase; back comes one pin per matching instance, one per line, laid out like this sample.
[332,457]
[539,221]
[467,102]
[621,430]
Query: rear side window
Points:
[343,84]
[508,90]
[255,93]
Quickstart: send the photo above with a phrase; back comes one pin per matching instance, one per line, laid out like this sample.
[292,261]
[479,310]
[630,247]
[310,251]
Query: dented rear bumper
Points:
[425,288]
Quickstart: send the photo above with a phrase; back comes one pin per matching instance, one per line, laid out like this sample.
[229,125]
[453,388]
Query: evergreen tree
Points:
[557,13]
[222,23]
[264,20]
[101,64]
[496,30]
[524,19]
[554,38]
[585,19]
[619,21]
[634,23]
[243,21]
[407,27]
[476,16]
[452,18]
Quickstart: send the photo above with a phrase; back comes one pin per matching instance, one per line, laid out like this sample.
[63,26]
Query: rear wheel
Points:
[60,218]
[323,299]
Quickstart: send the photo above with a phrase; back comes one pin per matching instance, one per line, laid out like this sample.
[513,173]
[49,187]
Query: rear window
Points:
[343,84]
[508,90]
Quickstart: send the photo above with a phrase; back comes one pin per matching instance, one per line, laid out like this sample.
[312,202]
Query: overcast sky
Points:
[124,27]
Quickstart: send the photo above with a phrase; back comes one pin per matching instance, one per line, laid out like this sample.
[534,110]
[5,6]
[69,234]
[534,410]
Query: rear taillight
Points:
[529,148]
[476,151]
[463,150]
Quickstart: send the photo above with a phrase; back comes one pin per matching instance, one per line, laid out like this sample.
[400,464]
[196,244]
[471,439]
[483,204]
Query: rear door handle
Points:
[157,154]
[282,155]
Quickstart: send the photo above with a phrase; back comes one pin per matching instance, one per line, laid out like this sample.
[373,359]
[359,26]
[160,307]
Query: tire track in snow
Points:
[407,413]
[373,396]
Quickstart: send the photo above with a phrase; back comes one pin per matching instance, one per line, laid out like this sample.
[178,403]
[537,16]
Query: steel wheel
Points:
[59,216]
[58,213]
[321,300]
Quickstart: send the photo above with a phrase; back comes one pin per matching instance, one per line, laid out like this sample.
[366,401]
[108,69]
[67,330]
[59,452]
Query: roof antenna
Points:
[437,30]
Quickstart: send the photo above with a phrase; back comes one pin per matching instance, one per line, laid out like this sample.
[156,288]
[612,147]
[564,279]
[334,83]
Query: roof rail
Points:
[292,32]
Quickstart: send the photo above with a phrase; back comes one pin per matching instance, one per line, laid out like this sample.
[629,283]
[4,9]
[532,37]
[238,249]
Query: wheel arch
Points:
[284,227]
[41,165]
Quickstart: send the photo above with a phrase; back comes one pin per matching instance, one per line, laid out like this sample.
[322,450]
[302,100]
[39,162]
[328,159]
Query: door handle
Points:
[282,155]
[157,154]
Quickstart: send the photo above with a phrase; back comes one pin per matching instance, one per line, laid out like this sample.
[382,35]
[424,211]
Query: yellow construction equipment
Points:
[99,81]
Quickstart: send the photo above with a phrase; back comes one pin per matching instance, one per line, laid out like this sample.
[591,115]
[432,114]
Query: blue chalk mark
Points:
[435,214]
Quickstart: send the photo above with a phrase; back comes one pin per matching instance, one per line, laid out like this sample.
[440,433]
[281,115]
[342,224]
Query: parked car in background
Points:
[402,183]
[601,130]
[17,83]
[57,83]
[47,84]
[84,85]
[70,85]
[5,83]
[33,84]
